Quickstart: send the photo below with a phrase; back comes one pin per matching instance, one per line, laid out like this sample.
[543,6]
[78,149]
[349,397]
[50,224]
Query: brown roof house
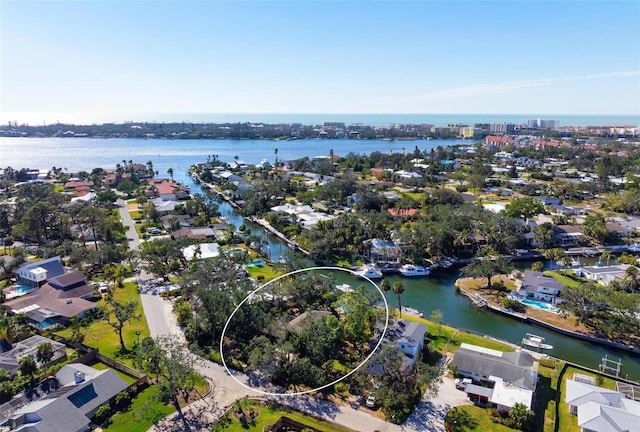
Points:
[57,301]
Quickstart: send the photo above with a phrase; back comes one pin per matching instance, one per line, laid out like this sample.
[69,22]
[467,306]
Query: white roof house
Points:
[600,409]
[206,250]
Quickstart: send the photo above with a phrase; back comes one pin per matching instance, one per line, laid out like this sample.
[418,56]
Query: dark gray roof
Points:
[478,390]
[514,367]
[52,265]
[67,409]
[412,332]
[68,280]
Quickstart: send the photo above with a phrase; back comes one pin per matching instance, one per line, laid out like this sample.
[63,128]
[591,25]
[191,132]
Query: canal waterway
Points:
[435,292]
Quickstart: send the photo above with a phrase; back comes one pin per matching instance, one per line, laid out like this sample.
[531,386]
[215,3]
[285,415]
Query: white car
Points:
[371,401]
[461,383]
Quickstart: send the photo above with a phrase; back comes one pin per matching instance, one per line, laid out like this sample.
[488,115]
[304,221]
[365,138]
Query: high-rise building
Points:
[542,124]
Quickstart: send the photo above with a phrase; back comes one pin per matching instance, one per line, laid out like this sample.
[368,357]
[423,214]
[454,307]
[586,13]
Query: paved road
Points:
[201,415]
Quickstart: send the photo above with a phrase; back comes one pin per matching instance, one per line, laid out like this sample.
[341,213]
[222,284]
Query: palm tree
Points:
[537,266]
[385,285]
[606,255]
[170,172]
[276,153]
[631,278]
[398,289]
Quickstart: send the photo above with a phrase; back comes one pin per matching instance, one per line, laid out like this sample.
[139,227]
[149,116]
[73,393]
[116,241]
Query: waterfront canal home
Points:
[411,340]
[599,409]
[536,286]
[604,275]
[567,235]
[385,255]
[511,377]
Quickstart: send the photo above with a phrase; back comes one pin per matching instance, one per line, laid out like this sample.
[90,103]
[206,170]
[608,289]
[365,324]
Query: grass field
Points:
[482,416]
[102,336]
[268,416]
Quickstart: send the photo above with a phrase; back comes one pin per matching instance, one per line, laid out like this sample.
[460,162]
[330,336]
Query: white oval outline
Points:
[266,393]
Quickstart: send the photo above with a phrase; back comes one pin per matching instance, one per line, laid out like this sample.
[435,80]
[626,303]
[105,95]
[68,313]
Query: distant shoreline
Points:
[311,119]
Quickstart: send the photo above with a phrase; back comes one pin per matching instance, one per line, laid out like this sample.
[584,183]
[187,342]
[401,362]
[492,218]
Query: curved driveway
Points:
[201,415]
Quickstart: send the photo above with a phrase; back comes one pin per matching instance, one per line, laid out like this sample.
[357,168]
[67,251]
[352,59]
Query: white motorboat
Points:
[370,271]
[535,341]
[345,288]
[411,270]
[412,311]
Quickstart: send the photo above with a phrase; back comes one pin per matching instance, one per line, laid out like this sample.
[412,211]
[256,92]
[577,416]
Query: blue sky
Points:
[104,61]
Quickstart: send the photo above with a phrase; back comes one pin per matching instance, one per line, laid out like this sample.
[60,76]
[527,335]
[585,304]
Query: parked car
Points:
[371,401]
[461,383]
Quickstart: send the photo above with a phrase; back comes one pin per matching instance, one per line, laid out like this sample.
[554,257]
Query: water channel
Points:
[437,292]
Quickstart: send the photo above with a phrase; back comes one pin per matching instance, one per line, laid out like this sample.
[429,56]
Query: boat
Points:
[536,341]
[369,271]
[410,270]
[412,311]
[345,288]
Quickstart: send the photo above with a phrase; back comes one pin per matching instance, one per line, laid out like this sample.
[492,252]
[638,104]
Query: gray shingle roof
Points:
[412,332]
[516,367]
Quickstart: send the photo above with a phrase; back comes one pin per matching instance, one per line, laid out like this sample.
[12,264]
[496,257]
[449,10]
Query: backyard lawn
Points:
[483,419]
[268,416]
[102,336]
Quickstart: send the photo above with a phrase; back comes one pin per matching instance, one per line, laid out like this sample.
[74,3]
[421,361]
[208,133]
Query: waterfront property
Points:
[600,409]
[511,376]
[385,254]
[411,340]
[536,286]
[604,275]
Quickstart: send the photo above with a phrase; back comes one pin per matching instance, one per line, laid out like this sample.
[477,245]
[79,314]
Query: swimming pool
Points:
[539,305]
[256,263]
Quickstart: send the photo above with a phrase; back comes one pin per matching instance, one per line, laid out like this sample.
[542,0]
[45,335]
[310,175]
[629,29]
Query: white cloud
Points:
[491,89]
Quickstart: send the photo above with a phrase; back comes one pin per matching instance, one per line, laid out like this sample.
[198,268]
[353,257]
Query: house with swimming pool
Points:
[56,302]
[535,286]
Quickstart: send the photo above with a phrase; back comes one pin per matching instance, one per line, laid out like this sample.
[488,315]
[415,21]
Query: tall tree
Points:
[44,353]
[398,289]
[119,314]
[487,268]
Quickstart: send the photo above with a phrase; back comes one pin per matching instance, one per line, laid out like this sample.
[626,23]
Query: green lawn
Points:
[102,336]
[143,412]
[266,271]
[564,280]
[438,341]
[268,416]
[135,214]
[482,416]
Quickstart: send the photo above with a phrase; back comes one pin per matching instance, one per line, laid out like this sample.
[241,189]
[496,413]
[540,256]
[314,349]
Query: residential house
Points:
[548,200]
[10,360]
[411,340]
[601,410]
[36,274]
[512,375]
[69,408]
[183,221]
[385,254]
[201,251]
[567,235]
[166,190]
[56,302]
[536,286]
[602,274]
[195,233]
